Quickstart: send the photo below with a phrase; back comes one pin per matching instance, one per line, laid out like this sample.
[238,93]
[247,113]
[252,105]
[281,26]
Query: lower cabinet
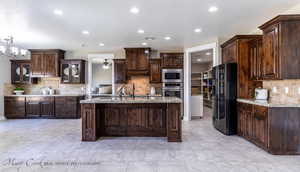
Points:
[275,129]
[14,107]
[67,107]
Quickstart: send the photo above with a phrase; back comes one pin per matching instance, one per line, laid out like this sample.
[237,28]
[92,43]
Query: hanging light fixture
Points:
[105,64]
[7,48]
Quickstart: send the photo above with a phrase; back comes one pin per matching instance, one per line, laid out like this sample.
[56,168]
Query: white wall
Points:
[4,78]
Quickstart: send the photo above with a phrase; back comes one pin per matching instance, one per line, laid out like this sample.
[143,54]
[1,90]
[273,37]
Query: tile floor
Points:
[54,145]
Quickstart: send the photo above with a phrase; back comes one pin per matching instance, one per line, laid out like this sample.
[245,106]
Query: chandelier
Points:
[7,48]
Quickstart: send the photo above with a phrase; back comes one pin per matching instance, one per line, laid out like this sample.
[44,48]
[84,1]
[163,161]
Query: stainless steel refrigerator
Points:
[224,98]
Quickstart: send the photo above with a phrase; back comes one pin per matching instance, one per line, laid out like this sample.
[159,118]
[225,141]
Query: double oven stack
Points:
[173,83]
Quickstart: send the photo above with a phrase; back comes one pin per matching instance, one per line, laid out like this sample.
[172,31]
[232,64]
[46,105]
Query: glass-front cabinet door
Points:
[66,73]
[20,71]
[73,71]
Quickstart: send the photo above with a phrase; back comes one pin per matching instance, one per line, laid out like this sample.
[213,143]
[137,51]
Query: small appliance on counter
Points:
[261,94]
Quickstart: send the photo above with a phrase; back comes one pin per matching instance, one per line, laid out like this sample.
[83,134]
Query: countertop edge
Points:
[267,104]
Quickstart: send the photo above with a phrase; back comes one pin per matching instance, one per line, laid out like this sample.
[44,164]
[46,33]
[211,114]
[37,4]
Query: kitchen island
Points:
[139,117]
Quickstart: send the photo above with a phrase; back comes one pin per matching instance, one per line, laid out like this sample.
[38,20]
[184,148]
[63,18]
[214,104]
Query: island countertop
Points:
[129,100]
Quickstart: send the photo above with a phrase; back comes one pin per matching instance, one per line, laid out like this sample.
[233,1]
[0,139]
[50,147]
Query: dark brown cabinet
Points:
[120,71]
[155,71]
[47,107]
[14,107]
[172,60]
[155,120]
[275,129]
[46,63]
[67,107]
[281,48]
[255,55]
[137,61]
[236,50]
[72,71]
[39,107]
[260,125]
[20,72]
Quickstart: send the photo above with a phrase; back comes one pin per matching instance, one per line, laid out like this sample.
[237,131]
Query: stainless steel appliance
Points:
[224,98]
[172,75]
[261,94]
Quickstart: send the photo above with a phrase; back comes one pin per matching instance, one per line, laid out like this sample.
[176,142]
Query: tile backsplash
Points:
[283,91]
[54,83]
[142,86]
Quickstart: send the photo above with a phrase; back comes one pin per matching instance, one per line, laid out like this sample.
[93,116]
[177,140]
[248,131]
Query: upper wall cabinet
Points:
[137,61]
[20,72]
[236,50]
[172,60]
[155,71]
[73,71]
[46,63]
[120,71]
[281,42]
[255,56]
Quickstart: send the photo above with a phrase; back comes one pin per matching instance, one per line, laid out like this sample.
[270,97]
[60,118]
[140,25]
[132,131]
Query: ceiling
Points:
[34,25]
[200,57]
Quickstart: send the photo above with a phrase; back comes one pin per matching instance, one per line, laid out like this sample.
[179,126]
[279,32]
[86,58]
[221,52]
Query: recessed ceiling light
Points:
[167,38]
[198,30]
[208,53]
[144,43]
[141,31]
[85,32]
[150,38]
[134,10]
[213,9]
[58,12]
[101,44]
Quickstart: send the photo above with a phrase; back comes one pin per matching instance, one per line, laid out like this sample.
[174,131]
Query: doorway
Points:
[188,61]
[201,82]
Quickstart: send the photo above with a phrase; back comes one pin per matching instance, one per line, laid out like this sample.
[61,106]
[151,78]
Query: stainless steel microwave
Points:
[172,75]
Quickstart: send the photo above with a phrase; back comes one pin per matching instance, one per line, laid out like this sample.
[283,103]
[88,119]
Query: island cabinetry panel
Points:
[120,71]
[14,107]
[157,120]
[115,120]
[133,120]
[281,48]
[89,130]
[174,123]
[274,129]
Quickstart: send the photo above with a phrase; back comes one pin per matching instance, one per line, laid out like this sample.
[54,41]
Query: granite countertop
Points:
[266,103]
[117,100]
[41,95]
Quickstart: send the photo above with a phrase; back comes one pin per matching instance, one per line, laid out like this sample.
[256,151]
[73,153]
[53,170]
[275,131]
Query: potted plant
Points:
[19,91]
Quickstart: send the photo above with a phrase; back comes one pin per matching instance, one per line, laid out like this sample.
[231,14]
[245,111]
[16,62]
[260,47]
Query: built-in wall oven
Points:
[174,89]
[173,84]
[172,75]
